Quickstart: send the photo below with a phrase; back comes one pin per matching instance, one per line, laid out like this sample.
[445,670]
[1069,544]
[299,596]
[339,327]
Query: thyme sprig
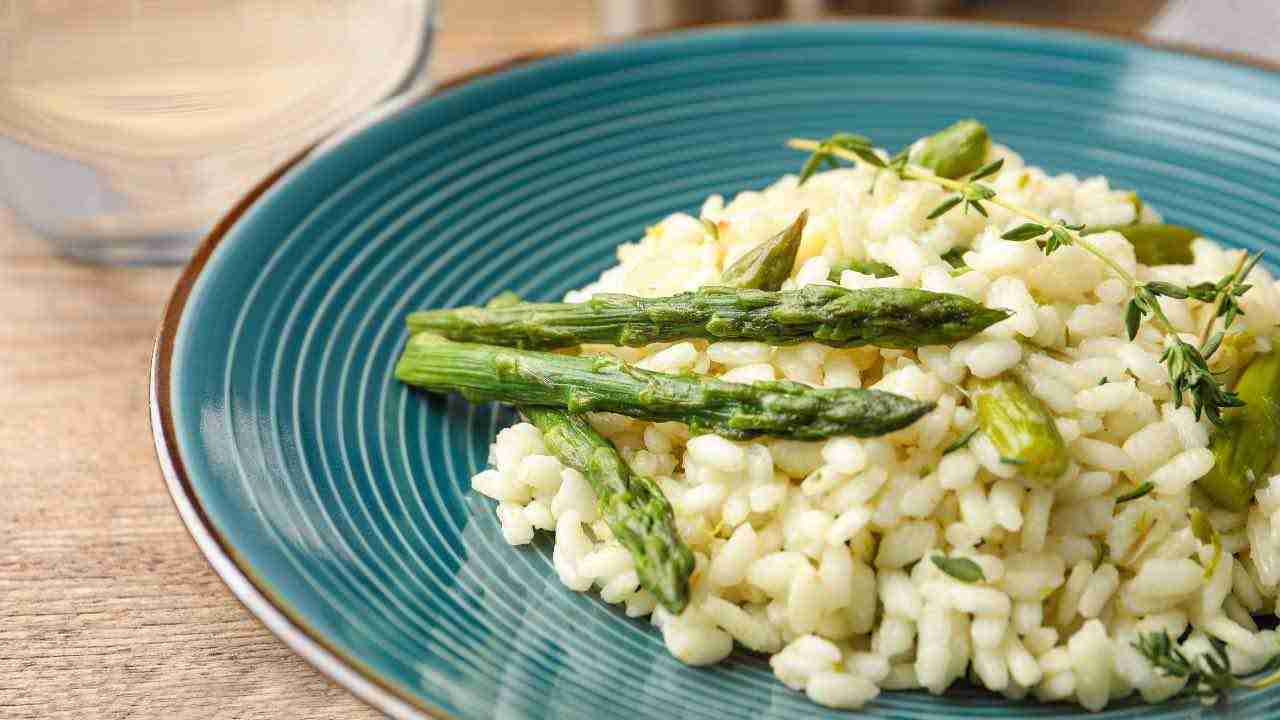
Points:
[1189,373]
[1227,292]
[1209,675]
[845,145]
[1137,492]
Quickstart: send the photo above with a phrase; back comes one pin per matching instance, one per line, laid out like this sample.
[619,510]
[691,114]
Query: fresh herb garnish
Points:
[1135,493]
[962,569]
[1189,373]
[1208,676]
[1055,235]
[824,154]
[987,170]
[962,441]
[1227,292]
[972,194]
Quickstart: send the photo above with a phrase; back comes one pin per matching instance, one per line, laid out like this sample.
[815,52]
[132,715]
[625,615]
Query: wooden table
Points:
[107,610]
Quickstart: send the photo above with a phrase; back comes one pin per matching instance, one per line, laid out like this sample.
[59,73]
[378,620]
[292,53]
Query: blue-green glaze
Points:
[343,495]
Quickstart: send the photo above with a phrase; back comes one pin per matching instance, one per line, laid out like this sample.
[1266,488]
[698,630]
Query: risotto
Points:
[923,556]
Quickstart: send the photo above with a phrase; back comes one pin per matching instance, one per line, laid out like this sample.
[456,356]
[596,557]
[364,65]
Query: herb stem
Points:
[1223,297]
[1033,216]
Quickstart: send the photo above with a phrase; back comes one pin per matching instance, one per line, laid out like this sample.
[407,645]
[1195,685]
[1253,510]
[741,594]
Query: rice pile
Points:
[811,552]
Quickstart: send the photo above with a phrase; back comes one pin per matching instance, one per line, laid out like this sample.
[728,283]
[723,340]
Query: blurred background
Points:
[127,127]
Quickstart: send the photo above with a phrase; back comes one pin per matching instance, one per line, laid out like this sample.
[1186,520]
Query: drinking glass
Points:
[128,126]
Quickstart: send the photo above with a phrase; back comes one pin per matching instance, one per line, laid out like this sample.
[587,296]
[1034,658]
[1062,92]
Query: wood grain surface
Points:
[107,610]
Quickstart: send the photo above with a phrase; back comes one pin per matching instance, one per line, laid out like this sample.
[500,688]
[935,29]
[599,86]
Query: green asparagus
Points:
[954,152]
[767,265]
[483,373]
[1020,426]
[506,298]
[633,506]
[1245,445]
[835,316]
[1154,243]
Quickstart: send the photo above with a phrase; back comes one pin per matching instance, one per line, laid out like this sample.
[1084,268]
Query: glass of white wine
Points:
[128,126]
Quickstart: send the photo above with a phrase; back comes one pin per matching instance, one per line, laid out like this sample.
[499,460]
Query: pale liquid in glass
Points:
[126,128]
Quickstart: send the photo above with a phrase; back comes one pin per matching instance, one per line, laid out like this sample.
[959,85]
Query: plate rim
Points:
[254,592]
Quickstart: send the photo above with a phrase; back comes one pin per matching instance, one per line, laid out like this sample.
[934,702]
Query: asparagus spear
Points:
[1245,445]
[954,152]
[1020,427]
[580,384]
[767,265]
[1155,243]
[634,506]
[888,317]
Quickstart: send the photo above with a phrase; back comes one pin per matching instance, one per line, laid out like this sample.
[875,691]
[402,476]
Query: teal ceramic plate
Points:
[335,503]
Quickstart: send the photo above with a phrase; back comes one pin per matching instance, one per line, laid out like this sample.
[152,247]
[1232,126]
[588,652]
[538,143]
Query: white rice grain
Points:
[1035,519]
[748,374]
[695,643]
[730,565]
[1185,468]
[993,357]
[1101,586]
[1091,662]
[1106,397]
[845,691]
[1005,502]
[1101,455]
[905,544]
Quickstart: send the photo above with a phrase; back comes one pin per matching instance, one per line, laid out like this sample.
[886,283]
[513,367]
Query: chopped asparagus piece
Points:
[506,298]
[767,265]
[1020,426]
[1245,445]
[954,152]
[1154,243]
